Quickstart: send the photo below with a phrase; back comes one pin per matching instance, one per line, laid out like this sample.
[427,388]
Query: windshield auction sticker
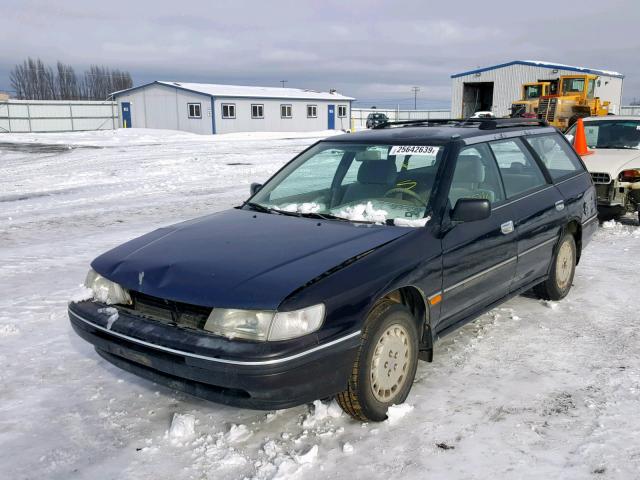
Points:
[413,150]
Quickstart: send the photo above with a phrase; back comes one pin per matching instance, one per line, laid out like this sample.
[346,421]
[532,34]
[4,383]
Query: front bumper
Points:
[264,376]
[622,195]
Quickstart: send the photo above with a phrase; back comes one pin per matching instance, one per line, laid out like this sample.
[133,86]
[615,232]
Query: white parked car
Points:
[615,162]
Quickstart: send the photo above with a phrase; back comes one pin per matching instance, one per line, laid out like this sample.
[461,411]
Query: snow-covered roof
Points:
[539,63]
[241,91]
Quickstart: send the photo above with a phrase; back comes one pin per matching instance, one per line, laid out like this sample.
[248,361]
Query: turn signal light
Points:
[630,175]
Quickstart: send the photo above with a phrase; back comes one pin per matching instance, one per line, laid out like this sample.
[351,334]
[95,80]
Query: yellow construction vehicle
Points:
[527,106]
[574,99]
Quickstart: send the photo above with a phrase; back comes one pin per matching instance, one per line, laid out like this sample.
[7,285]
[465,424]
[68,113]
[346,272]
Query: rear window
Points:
[556,155]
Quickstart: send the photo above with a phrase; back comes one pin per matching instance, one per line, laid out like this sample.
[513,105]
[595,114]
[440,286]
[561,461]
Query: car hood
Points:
[611,161]
[238,258]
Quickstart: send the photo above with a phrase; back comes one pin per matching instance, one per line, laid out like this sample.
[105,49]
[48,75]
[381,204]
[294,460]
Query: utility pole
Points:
[283,82]
[415,91]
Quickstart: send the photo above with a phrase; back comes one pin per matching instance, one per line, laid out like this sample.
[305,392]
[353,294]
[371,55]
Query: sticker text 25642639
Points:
[413,150]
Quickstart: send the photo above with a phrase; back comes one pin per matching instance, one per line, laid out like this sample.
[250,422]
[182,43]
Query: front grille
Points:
[168,311]
[547,109]
[600,177]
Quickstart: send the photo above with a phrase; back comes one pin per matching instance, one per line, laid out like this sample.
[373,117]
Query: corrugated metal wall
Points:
[507,83]
[57,116]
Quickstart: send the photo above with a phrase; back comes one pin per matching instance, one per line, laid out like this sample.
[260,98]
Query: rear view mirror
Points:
[255,188]
[471,210]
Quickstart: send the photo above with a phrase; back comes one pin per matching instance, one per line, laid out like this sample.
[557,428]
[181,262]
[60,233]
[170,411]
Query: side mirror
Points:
[471,210]
[255,188]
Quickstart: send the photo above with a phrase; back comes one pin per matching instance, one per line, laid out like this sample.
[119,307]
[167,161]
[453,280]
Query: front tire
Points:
[386,363]
[563,268]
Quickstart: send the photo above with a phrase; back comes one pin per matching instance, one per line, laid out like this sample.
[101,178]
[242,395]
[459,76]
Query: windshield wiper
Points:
[323,216]
[261,208]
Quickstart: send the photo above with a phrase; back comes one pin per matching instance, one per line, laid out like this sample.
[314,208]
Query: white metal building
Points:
[496,87]
[209,108]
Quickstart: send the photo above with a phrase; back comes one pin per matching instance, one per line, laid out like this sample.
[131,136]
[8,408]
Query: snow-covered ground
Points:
[531,390]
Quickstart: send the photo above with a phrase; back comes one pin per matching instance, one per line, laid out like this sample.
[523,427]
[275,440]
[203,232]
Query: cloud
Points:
[372,50]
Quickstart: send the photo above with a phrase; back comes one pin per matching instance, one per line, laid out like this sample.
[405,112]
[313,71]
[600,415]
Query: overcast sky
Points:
[373,50]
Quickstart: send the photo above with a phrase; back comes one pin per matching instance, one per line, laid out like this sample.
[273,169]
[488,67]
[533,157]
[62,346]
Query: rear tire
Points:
[385,365]
[563,268]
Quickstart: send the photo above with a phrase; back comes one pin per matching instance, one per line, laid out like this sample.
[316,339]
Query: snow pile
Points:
[321,412]
[81,294]
[615,228]
[364,213]
[347,448]
[183,428]
[8,329]
[238,433]
[307,457]
[396,412]
[415,223]
[310,207]
[112,315]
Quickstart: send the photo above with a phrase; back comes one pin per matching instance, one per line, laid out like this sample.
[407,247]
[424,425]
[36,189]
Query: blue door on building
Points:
[332,117]
[126,114]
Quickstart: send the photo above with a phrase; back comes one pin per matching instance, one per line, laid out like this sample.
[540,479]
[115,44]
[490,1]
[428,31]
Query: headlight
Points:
[265,325]
[106,291]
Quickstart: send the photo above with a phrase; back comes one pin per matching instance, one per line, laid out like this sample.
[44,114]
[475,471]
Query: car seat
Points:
[468,180]
[375,178]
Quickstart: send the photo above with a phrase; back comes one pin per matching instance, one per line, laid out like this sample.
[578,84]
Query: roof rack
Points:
[424,121]
[481,123]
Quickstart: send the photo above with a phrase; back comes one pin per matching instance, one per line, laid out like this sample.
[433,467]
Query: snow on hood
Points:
[611,161]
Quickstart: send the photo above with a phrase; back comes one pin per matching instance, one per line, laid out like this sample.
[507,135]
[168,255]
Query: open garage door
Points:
[476,97]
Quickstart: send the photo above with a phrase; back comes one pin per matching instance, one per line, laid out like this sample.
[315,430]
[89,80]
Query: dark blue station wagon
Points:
[341,271]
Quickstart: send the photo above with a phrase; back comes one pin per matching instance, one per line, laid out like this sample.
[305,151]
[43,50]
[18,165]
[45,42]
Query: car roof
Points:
[432,133]
[612,118]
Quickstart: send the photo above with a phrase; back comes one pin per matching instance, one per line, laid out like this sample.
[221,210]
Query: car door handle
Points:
[507,227]
[560,205]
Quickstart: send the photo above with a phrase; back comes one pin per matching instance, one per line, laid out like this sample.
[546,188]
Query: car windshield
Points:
[357,182]
[378,116]
[622,134]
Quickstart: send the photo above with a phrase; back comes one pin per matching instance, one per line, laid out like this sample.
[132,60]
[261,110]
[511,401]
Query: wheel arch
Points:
[574,227]
[415,300]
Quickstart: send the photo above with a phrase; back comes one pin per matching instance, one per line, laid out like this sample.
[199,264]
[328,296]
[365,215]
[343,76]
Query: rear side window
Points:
[519,170]
[556,155]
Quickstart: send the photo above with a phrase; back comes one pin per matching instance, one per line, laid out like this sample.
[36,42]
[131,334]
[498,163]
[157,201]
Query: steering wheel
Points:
[410,193]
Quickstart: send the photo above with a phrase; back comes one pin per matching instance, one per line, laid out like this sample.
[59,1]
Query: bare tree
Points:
[67,83]
[35,81]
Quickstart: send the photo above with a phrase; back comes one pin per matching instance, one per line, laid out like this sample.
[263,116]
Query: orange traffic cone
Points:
[580,141]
